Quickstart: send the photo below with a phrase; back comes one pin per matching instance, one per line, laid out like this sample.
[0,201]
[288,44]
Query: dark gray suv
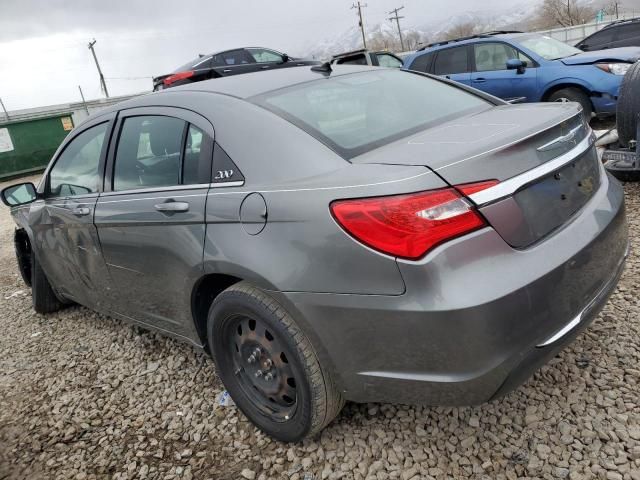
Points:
[354,233]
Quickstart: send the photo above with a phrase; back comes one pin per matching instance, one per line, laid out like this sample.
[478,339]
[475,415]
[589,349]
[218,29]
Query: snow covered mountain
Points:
[385,35]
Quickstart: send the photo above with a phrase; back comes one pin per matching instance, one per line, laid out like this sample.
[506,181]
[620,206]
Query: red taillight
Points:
[407,226]
[471,188]
[177,76]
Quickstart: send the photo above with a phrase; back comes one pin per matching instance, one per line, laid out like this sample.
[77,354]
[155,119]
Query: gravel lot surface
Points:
[85,396]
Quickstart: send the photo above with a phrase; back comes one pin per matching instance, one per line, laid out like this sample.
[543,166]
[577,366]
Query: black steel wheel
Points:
[269,366]
[261,365]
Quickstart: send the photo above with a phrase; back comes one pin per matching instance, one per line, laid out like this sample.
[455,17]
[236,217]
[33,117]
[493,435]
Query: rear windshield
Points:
[358,112]
[200,62]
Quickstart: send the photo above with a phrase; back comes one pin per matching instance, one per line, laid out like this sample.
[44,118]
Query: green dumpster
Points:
[26,146]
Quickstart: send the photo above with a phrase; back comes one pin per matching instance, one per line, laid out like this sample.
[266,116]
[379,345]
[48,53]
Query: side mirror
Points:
[285,58]
[584,47]
[516,64]
[19,194]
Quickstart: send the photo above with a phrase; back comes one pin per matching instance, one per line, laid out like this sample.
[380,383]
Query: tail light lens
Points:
[178,76]
[407,226]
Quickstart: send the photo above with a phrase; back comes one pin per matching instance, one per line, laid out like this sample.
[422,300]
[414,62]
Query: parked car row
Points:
[227,63]
[529,67]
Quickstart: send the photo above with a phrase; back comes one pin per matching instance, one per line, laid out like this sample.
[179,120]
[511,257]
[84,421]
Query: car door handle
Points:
[172,207]
[264,67]
[81,211]
[479,80]
[226,70]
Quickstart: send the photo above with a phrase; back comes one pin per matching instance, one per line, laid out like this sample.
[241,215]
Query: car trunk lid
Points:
[532,150]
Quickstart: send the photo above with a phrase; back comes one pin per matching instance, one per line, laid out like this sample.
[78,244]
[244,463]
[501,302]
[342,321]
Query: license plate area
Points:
[551,201]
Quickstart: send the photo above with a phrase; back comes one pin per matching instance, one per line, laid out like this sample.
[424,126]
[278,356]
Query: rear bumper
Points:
[468,327]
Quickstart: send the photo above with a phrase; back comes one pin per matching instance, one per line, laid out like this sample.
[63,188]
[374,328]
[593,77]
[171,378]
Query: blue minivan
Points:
[528,67]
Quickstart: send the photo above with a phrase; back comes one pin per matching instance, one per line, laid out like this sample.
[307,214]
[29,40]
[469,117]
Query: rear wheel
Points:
[573,95]
[44,298]
[269,366]
[628,107]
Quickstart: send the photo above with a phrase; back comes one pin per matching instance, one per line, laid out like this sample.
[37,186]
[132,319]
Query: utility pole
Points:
[102,82]
[83,100]
[6,114]
[397,19]
[360,7]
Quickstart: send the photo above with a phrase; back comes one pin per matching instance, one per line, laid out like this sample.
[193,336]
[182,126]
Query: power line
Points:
[397,19]
[361,23]
[102,82]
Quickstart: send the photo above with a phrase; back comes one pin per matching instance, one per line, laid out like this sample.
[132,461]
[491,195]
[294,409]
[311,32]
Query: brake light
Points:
[407,226]
[471,188]
[178,76]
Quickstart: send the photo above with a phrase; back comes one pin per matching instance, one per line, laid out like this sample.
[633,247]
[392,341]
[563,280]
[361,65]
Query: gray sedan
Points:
[361,234]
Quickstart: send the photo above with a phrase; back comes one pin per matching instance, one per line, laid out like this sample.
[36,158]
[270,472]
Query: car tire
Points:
[573,95]
[628,107]
[249,332]
[44,298]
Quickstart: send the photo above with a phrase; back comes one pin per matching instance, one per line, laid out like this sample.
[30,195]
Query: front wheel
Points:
[269,366]
[44,298]
[574,95]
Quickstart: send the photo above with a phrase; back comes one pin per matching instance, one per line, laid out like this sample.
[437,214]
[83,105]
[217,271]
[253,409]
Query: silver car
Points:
[332,233]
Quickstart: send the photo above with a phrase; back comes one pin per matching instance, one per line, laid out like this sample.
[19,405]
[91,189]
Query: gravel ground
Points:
[85,396]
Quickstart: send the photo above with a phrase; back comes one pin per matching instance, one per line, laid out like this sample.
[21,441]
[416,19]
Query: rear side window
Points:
[389,61]
[358,112]
[192,152]
[628,32]
[262,55]
[358,59]
[237,57]
[422,63]
[148,153]
[452,61]
[600,38]
[76,170]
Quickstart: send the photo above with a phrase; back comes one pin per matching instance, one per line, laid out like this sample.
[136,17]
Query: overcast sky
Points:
[43,43]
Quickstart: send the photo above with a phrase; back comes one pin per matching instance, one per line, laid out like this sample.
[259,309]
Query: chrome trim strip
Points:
[149,198]
[510,186]
[560,140]
[155,189]
[316,189]
[562,332]
[239,183]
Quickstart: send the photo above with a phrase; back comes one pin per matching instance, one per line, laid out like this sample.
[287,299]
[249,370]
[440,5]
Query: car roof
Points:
[619,23]
[256,83]
[481,37]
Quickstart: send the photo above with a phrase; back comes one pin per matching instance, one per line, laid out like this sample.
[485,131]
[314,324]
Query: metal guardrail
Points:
[574,34]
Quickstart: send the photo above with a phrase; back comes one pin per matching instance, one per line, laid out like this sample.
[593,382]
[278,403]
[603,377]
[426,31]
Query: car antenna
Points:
[325,69]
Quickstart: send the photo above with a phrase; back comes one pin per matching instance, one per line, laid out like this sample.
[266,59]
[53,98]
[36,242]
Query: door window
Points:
[76,171]
[601,38]
[192,151]
[494,56]
[386,60]
[358,59]
[628,32]
[422,63]
[261,55]
[452,61]
[148,153]
[237,57]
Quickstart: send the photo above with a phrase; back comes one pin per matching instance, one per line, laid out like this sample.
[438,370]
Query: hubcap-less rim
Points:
[563,100]
[262,367]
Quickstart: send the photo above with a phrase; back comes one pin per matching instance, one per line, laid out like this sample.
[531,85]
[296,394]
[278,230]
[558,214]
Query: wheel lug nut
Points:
[268,377]
[251,359]
[268,363]
[258,373]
